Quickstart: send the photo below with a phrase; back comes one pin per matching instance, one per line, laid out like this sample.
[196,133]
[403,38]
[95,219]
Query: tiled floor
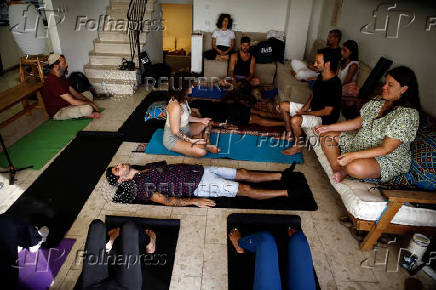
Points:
[201,261]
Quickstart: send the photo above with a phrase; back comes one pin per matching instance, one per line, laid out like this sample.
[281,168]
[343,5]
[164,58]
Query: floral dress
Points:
[401,123]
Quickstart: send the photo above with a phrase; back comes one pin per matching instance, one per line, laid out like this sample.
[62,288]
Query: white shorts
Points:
[308,121]
[216,182]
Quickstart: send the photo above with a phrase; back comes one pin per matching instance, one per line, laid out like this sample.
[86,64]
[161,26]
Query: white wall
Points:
[9,49]
[296,37]
[248,15]
[76,45]
[414,47]
[153,45]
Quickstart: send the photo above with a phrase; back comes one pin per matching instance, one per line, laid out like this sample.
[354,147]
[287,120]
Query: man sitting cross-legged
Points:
[185,184]
[323,107]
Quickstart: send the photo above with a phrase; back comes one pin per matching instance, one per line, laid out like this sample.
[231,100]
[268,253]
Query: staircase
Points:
[111,46]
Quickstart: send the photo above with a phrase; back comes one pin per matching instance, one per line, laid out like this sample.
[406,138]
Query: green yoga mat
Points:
[40,145]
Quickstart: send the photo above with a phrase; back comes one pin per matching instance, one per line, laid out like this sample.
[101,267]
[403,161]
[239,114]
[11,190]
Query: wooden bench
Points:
[21,93]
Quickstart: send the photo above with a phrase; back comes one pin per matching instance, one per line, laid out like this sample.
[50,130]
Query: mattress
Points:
[366,203]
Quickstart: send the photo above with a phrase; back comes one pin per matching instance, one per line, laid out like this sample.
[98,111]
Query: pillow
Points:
[422,173]
[157,110]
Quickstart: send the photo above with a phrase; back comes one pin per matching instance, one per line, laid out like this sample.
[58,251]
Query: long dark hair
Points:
[354,48]
[179,85]
[406,77]
[222,16]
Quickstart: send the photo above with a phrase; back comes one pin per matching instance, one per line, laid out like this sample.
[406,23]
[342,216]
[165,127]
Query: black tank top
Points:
[242,68]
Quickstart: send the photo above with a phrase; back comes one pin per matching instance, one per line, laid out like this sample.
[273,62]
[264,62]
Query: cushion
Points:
[422,170]
[265,72]
[157,110]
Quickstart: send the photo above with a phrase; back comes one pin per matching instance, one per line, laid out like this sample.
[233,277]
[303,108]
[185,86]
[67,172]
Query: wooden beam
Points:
[410,196]
[378,228]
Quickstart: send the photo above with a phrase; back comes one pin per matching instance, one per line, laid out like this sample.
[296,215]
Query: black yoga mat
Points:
[59,193]
[157,273]
[135,129]
[241,266]
[300,197]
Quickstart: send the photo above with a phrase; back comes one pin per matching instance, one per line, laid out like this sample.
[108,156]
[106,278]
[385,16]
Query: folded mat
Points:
[156,277]
[58,194]
[38,270]
[135,129]
[241,266]
[40,145]
[300,196]
[236,147]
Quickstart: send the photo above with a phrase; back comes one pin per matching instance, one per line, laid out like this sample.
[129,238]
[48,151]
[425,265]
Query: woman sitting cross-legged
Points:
[184,133]
[223,39]
[387,125]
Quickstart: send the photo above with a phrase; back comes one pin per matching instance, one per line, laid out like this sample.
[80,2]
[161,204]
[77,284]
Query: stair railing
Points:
[135,17]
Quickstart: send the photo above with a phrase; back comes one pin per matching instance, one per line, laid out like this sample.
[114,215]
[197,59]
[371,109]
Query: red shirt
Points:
[52,90]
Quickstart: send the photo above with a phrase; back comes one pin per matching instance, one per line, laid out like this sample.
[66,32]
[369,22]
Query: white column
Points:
[297,28]
[52,27]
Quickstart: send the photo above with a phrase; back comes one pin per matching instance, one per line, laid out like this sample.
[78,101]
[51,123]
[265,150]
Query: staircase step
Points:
[111,47]
[110,72]
[117,36]
[108,58]
[113,87]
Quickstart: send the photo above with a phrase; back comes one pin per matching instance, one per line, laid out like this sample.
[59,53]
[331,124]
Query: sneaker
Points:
[43,232]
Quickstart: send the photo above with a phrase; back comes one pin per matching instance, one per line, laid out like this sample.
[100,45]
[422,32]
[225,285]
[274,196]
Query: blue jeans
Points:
[267,274]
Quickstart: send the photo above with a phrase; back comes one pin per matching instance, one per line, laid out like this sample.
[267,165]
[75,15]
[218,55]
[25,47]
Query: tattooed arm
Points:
[181,201]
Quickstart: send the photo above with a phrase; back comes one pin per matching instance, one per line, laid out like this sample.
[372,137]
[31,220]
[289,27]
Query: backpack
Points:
[264,52]
[79,82]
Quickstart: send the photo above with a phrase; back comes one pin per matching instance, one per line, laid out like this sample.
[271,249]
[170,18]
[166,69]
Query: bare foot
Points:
[151,247]
[293,150]
[113,234]
[339,176]
[291,231]
[94,115]
[212,149]
[293,73]
[234,237]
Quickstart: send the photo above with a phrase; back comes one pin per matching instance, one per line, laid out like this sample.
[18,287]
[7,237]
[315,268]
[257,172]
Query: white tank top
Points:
[184,118]
[343,72]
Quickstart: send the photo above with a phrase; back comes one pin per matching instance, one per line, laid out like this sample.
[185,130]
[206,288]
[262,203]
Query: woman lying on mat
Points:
[125,255]
[184,133]
[236,108]
[186,184]
[387,125]
[266,270]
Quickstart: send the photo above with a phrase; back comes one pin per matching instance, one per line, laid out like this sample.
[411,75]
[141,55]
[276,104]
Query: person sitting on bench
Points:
[236,108]
[61,100]
[186,184]
[377,143]
[266,270]
[99,254]
[184,133]
[242,65]
[323,107]
[15,235]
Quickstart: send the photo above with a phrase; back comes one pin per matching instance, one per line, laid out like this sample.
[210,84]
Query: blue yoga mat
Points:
[237,147]
[208,92]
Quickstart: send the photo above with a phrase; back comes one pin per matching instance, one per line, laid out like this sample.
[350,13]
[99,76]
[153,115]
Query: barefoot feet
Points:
[293,150]
[212,149]
[113,234]
[234,237]
[151,247]
[339,176]
[291,231]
